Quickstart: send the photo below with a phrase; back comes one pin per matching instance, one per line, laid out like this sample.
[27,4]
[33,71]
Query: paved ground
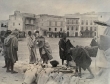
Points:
[8,78]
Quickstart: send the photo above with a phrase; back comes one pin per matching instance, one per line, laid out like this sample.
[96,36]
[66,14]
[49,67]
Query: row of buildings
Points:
[53,26]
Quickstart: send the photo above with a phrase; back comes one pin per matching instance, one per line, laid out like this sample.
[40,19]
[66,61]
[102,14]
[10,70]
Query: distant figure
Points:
[8,32]
[11,43]
[64,48]
[93,42]
[38,43]
[32,49]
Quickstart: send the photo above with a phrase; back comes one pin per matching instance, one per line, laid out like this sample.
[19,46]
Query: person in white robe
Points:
[32,49]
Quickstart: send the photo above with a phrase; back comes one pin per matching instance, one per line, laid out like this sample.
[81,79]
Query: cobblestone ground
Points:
[23,55]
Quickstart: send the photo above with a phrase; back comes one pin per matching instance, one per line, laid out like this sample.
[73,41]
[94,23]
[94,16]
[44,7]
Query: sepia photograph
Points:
[54,42]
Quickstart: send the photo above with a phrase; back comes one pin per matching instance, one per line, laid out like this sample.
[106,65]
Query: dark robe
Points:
[65,55]
[32,50]
[48,51]
[11,43]
[93,43]
[81,57]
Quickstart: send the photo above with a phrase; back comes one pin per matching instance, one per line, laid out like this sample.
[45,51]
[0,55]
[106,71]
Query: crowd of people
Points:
[35,41]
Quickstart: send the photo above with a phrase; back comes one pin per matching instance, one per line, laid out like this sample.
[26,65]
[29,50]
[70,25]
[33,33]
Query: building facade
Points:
[72,25]
[87,26]
[22,21]
[77,25]
[52,25]
[81,25]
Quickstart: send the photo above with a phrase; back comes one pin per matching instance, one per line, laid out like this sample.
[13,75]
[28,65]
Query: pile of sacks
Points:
[92,50]
[35,74]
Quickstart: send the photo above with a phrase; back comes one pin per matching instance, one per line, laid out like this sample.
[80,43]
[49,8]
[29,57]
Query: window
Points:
[60,29]
[82,28]
[72,22]
[91,23]
[67,28]
[55,23]
[86,28]
[86,22]
[55,29]
[95,33]
[5,26]
[82,22]
[72,28]
[91,28]
[2,25]
[49,29]
[32,21]
[13,24]
[76,28]
[76,21]
[61,23]
[49,23]
[67,21]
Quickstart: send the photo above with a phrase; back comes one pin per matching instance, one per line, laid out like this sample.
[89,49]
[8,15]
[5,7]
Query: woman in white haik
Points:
[103,57]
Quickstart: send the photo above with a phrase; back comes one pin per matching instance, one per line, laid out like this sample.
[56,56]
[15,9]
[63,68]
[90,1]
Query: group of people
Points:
[10,48]
[35,41]
[78,54]
[66,51]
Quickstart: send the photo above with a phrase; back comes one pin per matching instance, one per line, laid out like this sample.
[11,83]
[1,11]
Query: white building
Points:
[51,24]
[22,21]
[81,24]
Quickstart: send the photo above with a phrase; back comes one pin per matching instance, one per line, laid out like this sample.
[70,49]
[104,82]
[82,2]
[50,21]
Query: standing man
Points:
[32,49]
[64,49]
[11,43]
[8,32]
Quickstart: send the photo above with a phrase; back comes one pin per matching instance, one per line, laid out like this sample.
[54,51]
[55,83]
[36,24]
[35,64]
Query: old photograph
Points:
[54,42]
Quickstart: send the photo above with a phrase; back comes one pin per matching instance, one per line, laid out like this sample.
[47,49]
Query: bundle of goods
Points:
[92,51]
[38,75]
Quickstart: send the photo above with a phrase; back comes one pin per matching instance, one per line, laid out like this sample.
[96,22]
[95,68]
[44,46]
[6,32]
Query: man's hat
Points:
[54,63]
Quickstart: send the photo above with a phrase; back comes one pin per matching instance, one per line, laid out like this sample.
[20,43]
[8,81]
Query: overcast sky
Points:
[55,7]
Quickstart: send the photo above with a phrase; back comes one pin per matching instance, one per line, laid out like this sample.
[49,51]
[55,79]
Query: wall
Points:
[15,22]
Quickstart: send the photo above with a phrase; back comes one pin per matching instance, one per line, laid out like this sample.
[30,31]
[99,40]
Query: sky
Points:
[53,7]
